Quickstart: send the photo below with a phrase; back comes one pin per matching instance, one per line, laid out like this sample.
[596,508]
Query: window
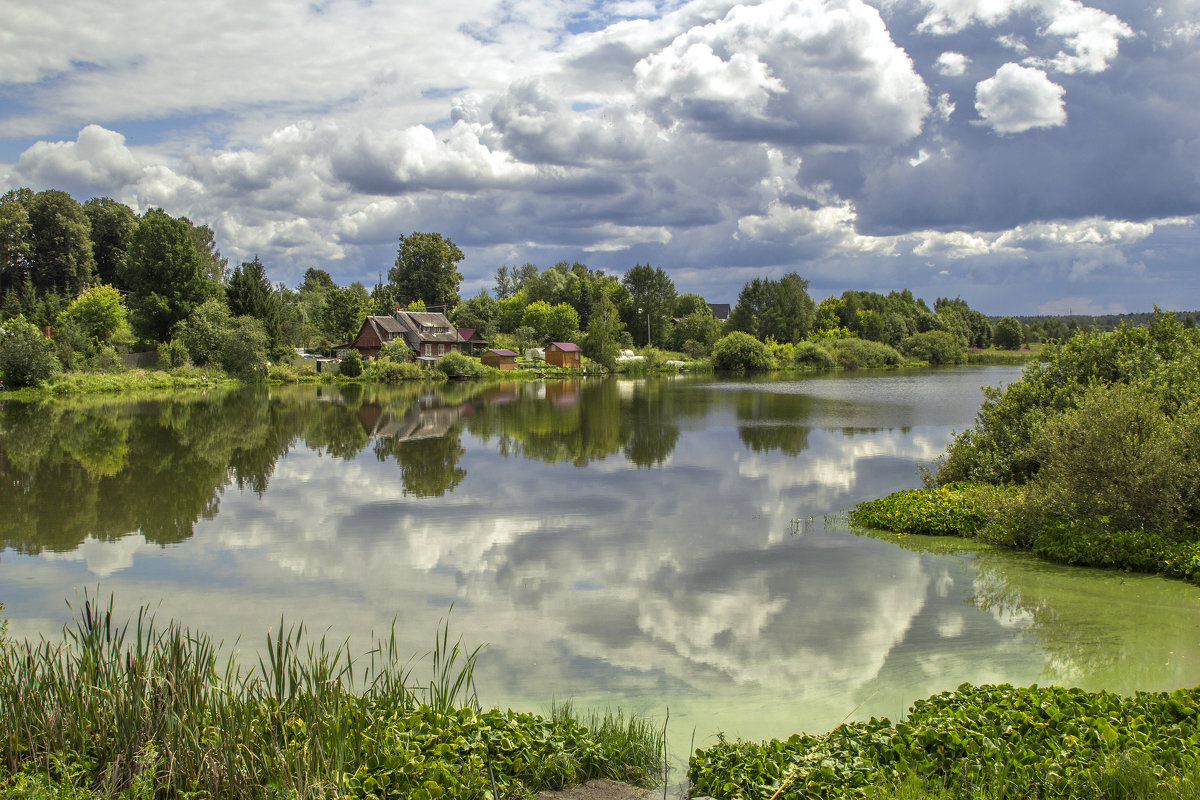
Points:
[441,349]
[428,349]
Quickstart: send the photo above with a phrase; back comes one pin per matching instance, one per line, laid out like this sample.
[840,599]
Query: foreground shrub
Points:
[741,352]
[172,354]
[861,353]
[986,741]
[458,365]
[283,373]
[27,358]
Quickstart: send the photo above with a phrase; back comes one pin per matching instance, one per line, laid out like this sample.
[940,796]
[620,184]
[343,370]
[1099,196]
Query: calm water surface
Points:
[642,544]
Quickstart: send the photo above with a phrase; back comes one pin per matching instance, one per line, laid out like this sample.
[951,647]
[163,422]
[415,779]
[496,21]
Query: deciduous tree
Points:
[166,277]
[427,269]
[61,252]
[112,224]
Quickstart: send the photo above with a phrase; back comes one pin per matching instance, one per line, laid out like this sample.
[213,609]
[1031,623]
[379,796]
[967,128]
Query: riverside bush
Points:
[27,358]
[396,371]
[352,365]
[455,364]
[985,741]
[811,354]
[938,348]
[861,353]
[741,352]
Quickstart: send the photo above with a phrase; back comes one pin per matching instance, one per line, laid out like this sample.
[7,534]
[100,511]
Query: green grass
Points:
[135,710]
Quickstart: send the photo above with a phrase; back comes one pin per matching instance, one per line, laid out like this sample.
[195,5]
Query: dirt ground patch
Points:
[600,790]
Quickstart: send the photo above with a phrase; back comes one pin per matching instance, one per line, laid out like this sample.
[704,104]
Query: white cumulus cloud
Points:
[1017,99]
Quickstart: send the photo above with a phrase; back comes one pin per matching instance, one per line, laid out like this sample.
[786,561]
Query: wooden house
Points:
[473,341]
[373,335]
[429,335]
[500,359]
[564,354]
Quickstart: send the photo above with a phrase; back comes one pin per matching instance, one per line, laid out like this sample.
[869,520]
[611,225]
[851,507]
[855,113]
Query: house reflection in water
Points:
[428,418]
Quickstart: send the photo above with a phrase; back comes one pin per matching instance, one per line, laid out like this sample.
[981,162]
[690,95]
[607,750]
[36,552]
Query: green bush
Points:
[172,354]
[283,373]
[999,448]
[455,364]
[244,346]
[811,354]
[935,347]
[27,358]
[861,353]
[396,372]
[741,352]
[396,351]
[352,365]
[107,359]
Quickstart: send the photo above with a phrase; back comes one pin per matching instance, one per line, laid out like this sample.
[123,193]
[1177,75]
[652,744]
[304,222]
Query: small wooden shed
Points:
[564,354]
[500,359]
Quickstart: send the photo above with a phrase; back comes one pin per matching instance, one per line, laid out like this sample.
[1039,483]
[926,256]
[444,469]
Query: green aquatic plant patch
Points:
[953,510]
[988,741]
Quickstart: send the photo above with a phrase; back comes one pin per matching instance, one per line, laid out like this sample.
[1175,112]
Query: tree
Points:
[427,270]
[165,275]
[27,358]
[99,312]
[1008,333]
[112,224]
[782,309]
[244,348]
[61,252]
[700,327]
[15,250]
[250,294]
[691,304]
[204,332]
[216,267]
[344,312]
[603,341]
[651,302]
[479,312]
[558,323]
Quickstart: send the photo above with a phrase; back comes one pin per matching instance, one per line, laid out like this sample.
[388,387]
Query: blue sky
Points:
[1027,155]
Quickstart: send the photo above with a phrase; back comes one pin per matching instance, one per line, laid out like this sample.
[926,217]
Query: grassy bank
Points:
[997,515]
[979,742]
[142,711]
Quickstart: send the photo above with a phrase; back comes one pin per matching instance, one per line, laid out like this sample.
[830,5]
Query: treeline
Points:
[98,280]
[1060,327]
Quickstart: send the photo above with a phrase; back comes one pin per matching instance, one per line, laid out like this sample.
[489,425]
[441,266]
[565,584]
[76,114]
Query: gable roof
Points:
[567,347]
[387,324]
[503,353]
[468,334]
[719,310]
[415,324]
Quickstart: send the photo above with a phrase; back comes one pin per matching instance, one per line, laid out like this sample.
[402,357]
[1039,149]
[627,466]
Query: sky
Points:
[1029,156]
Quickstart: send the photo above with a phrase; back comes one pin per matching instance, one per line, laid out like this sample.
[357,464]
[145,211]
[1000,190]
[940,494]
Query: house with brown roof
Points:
[428,334]
[564,354]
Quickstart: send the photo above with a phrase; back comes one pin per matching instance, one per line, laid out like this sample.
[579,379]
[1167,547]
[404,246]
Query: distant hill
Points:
[1104,322]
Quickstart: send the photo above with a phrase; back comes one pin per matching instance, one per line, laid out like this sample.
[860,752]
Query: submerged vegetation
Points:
[136,710]
[1092,457]
[986,742]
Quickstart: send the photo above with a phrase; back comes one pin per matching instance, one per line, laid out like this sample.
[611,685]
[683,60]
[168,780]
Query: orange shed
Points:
[500,359]
[564,354]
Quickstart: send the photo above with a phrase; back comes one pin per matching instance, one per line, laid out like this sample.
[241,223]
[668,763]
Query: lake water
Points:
[673,542]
